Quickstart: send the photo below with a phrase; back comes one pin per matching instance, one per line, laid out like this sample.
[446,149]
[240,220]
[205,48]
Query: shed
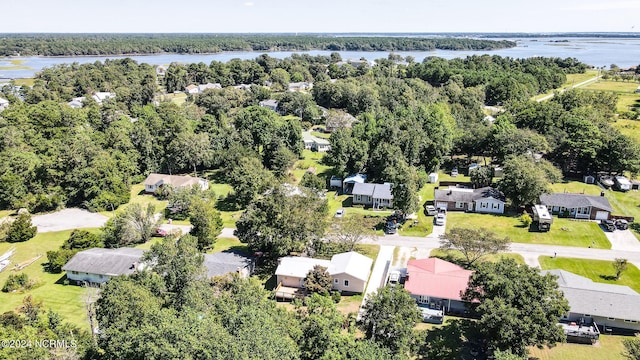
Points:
[433,178]
[589,179]
[335,182]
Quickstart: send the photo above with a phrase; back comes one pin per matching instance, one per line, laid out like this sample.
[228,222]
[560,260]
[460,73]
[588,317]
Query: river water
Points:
[598,52]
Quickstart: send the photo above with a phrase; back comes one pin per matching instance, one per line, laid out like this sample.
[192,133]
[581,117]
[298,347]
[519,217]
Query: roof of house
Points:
[4,101]
[455,194]
[173,180]
[206,86]
[351,263]
[363,189]
[383,191]
[269,103]
[112,262]
[191,87]
[225,262]
[297,266]
[102,96]
[588,297]
[124,261]
[356,178]
[575,201]
[436,278]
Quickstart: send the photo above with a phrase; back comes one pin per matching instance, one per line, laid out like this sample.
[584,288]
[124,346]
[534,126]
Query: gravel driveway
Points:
[68,219]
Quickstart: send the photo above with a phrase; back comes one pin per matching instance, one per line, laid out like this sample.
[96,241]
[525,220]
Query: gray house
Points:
[98,265]
[375,195]
[609,306]
[579,206]
[482,200]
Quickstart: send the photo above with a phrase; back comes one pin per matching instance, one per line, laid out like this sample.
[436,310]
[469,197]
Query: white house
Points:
[482,200]
[300,86]
[99,97]
[4,103]
[154,181]
[191,89]
[609,306]
[77,102]
[350,271]
[375,195]
[315,143]
[203,87]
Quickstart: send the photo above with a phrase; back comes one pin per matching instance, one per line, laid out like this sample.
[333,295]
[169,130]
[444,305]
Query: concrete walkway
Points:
[378,275]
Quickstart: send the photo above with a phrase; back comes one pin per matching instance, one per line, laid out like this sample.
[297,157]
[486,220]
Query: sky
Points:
[299,16]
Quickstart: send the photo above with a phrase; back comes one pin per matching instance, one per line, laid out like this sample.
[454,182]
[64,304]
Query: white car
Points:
[431,210]
[339,213]
[440,219]
[394,277]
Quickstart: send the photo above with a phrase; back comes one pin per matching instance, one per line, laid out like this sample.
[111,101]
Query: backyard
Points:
[564,232]
[596,270]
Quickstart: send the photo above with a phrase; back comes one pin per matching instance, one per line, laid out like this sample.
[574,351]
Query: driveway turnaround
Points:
[623,240]
[68,219]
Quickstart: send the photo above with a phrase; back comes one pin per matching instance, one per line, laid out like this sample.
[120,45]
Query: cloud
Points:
[606,6]
[248,4]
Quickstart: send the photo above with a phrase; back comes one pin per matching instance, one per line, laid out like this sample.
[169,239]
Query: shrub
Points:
[526,219]
[21,230]
[16,282]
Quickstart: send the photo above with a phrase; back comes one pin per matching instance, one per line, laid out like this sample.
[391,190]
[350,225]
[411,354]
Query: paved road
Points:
[570,87]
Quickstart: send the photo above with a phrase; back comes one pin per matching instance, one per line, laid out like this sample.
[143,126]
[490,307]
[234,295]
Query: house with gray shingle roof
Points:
[375,195]
[98,265]
[482,200]
[610,306]
[154,181]
[579,206]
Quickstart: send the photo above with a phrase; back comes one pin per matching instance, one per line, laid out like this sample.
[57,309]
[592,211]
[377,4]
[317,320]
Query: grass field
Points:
[630,128]
[24,82]
[223,244]
[576,187]
[609,348]
[572,80]
[563,231]
[627,102]
[64,299]
[614,86]
[596,270]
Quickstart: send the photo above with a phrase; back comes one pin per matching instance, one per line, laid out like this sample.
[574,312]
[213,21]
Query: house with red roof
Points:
[437,284]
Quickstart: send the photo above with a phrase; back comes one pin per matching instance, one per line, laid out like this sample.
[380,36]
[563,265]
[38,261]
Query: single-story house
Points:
[76,102]
[609,306]
[350,271]
[203,87]
[243,86]
[4,103]
[579,206]
[375,195]
[98,265]
[154,181]
[351,180]
[191,89]
[438,283]
[270,103]
[315,143]
[482,200]
[300,86]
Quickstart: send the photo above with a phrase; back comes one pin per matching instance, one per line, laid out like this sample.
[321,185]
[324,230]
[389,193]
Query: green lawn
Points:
[138,196]
[596,270]
[563,231]
[68,300]
[630,128]
[614,86]
[577,187]
[572,80]
[223,244]
[424,226]
[609,348]
[491,257]
[626,102]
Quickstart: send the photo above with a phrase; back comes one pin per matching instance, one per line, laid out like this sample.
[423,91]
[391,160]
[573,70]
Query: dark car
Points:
[622,224]
[609,225]
[391,227]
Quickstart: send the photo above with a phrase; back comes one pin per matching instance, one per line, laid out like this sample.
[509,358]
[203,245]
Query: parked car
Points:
[394,277]
[339,213]
[431,210]
[622,224]
[160,232]
[454,172]
[609,225]
[391,228]
[440,219]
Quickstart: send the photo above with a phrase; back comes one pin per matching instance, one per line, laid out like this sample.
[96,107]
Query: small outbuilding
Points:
[433,178]
[589,179]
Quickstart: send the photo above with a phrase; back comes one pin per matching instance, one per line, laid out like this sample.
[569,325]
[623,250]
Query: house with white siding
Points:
[482,200]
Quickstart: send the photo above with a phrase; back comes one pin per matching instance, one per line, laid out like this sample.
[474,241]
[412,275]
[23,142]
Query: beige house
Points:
[350,271]
[155,181]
